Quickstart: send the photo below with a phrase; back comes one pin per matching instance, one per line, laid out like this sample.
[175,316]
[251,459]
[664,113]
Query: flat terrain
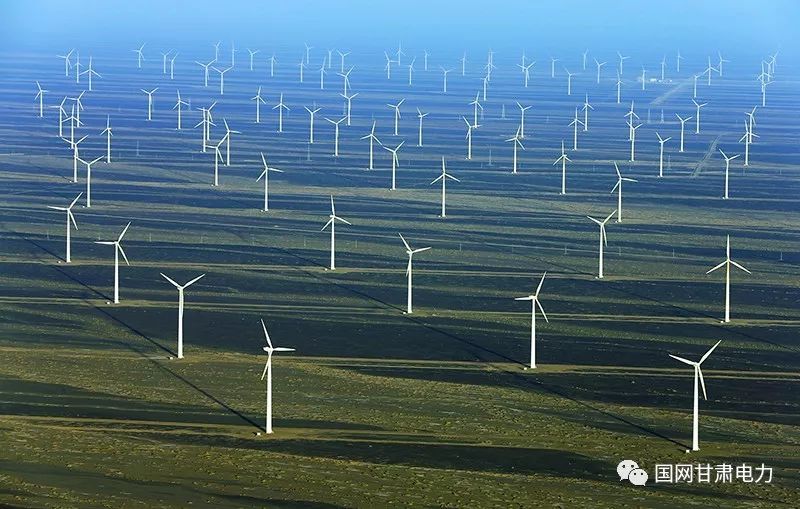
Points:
[377,408]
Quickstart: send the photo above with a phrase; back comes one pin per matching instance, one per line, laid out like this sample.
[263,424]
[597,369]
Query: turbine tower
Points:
[698,377]
[603,241]
[265,176]
[181,288]
[117,251]
[410,252]
[534,303]
[268,374]
[70,218]
[618,187]
[332,223]
[443,177]
[727,263]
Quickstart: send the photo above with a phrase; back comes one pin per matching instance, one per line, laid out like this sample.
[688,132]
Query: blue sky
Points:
[540,27]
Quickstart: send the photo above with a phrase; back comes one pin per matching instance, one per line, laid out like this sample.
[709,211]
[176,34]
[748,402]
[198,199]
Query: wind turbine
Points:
[280,107]
[644,72]
[322,73]
[217,158]
[89,179]
[444,83]
[621,60]
[171,67]
[272,61]
[534,303]
[265,176]
[586,108]
[372,139]
[117,251]
[252,54]
[177,107]
[618,187]
[661,142]
[336,134]
[633,140]
[396,114]
[683,123]
[67,63]
[599,65]
[526,72]
[727,168]
[259,101]
[443,177]
[603,240]
[227,139]
[747,138]
[619,88]
[308,52]
[517,143]
[268,374]
[341,60]
[311,124]
[150,102]
[181,288]
[563,160]
[697,116]
[302,66]
[420,115]
[411,70]
[678,59]
[109,134]
[139,56]
[349,99]
[345,79]
[476,104]
[40,96]
[332,223]
[574,124]
[663,66]
[727,263]
[470,128]
[205,70]
[75,157]
[395,162]
[569,81]
[221,73]
[410,252]
[70,218]
[698,376]
[630,116]
[522,119]
[553,67]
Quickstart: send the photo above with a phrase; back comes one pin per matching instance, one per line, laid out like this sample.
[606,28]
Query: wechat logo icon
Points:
[628,469]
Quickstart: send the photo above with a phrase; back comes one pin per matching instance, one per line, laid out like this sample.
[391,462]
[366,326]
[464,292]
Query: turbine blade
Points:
[710,350]
[170,280]
[681,359]
[122,252]
[266,334]
[193,281]
[541,309]
[702,382]
[740,267]
[717,267]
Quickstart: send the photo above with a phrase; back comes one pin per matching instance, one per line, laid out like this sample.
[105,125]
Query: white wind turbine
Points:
[89,179]
[411,70]
[534,303]
[621,60]
[599,65]
[265,176]
[618,187]
[311,123]
[727,263]
[177,106]
[584,58]
[217,158]
[661,142]
[117,251]
[150,102]
[563,160]
[171,66]
[332,224]
[227,139]
[109,134]
[280,107]
[302,66]
[268,374]
[67,62]
[727,169]
[522,111]
[678,59]
[526,71]
[139,55]
[181,288]
[603,241]
[410,252]
[70,218]
[443,177]
[272,61]
[75,157]
[574,124]
[630,116]
[619,88]
[747,138]
[322,73]
[697,116]
[164,61]
[420,115]
[444,83]
[683,124]
[395,162]
[259,101]
[644,72]
[205,70]
[308,52]
[569,81]
[221,73]
[396,114]
[345,79]
[252,54]
[336,134]
[663,66]
[372,139]
[349,99]
[633,140]
[470,128]
[341,60]
[517,143]
[553,67]
[475,104]
[698,376]
[586,108]
[40,96]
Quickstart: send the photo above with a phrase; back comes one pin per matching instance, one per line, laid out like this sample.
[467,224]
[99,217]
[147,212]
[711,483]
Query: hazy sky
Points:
[705,25]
